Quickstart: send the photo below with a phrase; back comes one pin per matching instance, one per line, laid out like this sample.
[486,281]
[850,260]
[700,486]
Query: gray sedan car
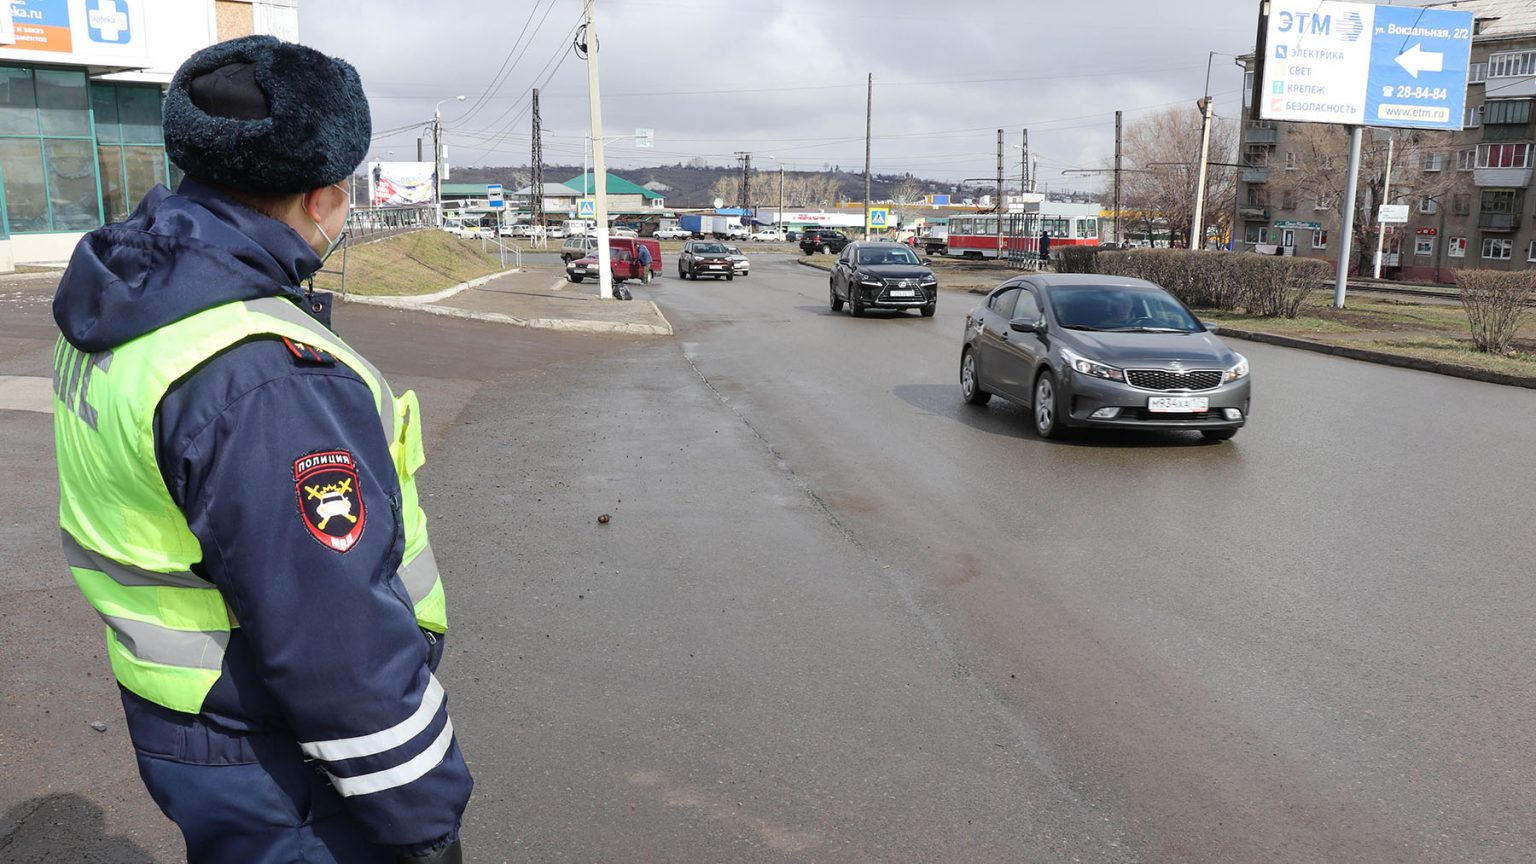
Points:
[1087,350]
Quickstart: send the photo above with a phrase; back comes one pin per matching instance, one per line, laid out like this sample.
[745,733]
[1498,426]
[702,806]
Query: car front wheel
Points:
[837,304]
[1046,408]
[970,384]
[929,309]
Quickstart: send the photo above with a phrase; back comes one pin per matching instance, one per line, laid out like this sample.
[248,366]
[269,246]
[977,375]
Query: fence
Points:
[374,221]
[1021,240]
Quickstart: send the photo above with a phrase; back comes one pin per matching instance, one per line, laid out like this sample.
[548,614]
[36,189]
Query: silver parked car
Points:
[1088,350]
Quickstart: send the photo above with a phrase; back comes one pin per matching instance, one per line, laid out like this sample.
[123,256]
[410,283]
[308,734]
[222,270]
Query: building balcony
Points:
[1499,221]
[1509,178]
[1259,135]
[1255,174]
[1513,87]
[1253,213]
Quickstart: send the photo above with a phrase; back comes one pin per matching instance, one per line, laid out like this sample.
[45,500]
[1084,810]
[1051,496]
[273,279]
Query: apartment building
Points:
[1470,192]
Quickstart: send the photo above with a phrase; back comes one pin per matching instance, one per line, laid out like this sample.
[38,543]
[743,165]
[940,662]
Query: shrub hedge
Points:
[1264,285]
[1495,302]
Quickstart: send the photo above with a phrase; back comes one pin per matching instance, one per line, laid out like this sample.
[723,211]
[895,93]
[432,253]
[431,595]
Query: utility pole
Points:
[1347,223]
[1386,198]
[1024,162]
[869,110]
[998,208]
[599,167]
[437,162]
[744,195]
[1197,225]
[536,213]
[1117,178]
[780,220]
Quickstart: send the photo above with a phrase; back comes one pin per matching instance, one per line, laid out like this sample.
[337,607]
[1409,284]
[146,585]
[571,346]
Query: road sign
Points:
[940,201]
[645,137]
[879,217]
[1299,225]
[1357,64]
[493,195]
[1395,213]
[586,208]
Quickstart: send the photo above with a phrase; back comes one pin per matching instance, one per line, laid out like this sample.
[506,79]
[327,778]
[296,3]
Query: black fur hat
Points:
[258,114]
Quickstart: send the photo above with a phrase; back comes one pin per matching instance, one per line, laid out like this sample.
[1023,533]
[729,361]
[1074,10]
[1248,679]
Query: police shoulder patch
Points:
[306,353]
[330,500]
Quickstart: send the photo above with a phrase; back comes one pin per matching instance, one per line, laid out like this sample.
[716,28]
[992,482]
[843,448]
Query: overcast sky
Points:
[784,79]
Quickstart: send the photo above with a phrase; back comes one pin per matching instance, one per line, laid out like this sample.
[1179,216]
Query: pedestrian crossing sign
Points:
[879,217]
[586,208]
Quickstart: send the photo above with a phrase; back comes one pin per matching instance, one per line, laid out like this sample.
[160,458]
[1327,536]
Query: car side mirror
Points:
[1022,325]
[925,262]
[1210,328]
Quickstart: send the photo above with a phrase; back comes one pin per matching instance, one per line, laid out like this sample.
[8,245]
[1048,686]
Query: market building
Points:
[1479,214]
[81,84]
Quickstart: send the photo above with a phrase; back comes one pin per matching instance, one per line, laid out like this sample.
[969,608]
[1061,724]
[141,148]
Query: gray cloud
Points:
[794,75]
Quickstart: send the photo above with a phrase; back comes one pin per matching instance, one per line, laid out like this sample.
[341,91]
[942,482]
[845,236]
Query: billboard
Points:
[400,184]
[104,33]
[1363,65]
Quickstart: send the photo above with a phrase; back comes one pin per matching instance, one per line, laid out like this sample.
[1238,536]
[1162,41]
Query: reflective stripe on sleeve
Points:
[401,774]
[196,649]
[125,574]
[387,739]
[420,575]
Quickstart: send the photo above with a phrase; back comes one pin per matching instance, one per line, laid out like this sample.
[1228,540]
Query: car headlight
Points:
[929,280]
[1091,367]
[872,281]
[1236,372]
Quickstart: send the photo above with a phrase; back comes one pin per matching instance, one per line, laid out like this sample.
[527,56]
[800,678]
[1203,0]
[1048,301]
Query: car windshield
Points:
[882,255]
[1124,309]
[710,248]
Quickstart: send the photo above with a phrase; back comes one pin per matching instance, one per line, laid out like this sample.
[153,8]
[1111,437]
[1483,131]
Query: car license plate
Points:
[906,292]
[1178,404]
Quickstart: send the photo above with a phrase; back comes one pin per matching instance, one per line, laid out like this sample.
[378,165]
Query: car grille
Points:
[1169,380]
[918,295]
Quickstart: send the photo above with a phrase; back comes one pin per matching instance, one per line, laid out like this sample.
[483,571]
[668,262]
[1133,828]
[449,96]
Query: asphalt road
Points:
[839,616]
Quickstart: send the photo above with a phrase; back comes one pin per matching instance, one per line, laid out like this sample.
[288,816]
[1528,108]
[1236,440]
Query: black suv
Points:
[823,240]
[879,274]
[705,258]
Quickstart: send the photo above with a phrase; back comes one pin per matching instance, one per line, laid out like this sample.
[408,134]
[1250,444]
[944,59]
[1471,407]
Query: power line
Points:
[501,76]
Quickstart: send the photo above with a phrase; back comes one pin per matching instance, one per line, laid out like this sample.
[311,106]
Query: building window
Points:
[50,180]
[1457,248]
[130,147]
[1507,112]
[1287,200]
[1477,73]
[1501,202]
[1461,205]
[1497,248]
[1251,233]
[1504,155]
[1531,255]
[1472,116]
[1290,161]
[1511,64]
[1466,159]
[1322,203]
[1434,161]
[1423,245]
[1319,238]
[1248,89]
[1429,205]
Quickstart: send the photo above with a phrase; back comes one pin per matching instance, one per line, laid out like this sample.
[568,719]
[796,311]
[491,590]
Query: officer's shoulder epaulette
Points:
[304,353]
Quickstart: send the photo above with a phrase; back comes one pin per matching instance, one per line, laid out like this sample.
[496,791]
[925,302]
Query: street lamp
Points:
[437,154]
[782,226]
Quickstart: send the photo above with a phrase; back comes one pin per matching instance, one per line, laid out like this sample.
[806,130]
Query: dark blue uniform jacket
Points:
[327,649]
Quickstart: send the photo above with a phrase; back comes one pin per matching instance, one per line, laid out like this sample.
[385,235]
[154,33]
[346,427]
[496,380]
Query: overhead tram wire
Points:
[501,78]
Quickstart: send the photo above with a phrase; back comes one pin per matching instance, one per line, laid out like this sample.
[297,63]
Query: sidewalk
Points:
[537,296]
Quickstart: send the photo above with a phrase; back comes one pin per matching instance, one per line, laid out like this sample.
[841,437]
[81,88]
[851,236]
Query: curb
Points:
[1381,357]
[409,300]
[571,325]
[804,263]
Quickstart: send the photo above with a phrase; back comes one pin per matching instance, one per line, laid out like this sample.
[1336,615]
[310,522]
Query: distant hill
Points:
[693,185]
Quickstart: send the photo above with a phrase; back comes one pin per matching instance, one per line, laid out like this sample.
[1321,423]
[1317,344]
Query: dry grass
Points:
[420,262]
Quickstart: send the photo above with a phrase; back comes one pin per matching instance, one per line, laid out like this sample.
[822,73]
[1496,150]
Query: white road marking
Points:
[25,393]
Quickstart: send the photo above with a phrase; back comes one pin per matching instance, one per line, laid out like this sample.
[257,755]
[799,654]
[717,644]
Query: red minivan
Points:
[623,260]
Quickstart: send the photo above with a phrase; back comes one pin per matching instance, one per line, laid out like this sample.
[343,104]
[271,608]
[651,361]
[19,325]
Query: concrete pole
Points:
[780,220]
[437,163]
[1197,225]
[1117,178]
[999,208]
[869,110]
[1347,228]
[599,169]
[1386,198]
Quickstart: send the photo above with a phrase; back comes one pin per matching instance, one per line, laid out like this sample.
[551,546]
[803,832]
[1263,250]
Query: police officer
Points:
[238,495]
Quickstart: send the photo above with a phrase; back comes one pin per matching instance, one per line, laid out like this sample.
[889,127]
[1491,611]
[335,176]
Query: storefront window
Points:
[72,184]
[61,103]
[129,149]
[26,198]
[18,102]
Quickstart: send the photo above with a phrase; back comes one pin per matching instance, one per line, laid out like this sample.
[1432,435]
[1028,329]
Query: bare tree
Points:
[1161,155]
[1312,176]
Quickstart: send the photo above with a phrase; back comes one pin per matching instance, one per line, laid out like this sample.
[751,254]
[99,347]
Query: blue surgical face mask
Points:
[333,245]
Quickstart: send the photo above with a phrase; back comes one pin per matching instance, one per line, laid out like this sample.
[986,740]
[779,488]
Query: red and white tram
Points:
[975,236]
